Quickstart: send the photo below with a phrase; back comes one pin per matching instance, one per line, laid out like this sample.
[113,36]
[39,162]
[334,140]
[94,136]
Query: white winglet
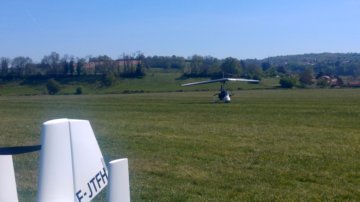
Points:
[8,190]
[119,190]
[71,163]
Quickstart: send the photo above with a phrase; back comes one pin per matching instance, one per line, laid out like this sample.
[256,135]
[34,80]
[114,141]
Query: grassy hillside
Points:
[287,145]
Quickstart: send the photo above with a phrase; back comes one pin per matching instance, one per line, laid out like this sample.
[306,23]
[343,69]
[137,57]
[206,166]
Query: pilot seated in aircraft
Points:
[222,94]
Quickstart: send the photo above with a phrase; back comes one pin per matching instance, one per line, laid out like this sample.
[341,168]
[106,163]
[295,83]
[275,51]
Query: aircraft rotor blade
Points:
[223,80]
[203,82]
[245,80]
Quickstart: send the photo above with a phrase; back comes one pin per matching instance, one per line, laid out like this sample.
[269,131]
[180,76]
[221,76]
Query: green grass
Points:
[267,145]
[155,81]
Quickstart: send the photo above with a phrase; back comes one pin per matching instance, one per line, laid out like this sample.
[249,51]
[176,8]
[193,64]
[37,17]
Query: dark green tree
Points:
[288,82]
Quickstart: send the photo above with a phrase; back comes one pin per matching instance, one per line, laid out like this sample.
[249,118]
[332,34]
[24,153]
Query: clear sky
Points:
[220,28]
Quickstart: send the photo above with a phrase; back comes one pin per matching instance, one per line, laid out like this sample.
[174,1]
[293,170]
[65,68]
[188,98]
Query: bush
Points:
[109,79]
[287,82]
[257,77]
[78,91]
[52,86]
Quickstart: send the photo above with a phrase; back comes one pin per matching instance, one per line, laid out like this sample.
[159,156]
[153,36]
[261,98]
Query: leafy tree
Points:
[307,77]
[231,66]
[52,86]
[202,66]
[211,67]
[177,62]
[196,64]
[253,71]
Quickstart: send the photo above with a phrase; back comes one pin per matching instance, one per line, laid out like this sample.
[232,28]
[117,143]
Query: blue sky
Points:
[220,28]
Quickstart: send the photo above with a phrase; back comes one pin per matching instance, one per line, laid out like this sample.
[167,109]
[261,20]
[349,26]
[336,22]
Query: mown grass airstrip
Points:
[292,145]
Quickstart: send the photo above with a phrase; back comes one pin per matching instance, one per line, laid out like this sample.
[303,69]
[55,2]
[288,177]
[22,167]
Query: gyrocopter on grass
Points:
[224,95]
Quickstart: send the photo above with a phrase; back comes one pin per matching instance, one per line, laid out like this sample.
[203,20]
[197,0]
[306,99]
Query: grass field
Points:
[157,80]
[267,145]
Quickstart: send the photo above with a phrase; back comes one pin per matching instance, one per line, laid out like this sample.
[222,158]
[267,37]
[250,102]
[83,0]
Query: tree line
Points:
[340,64]
[55,65]
[135,65]
[205,66]
[128,65]
[331,64]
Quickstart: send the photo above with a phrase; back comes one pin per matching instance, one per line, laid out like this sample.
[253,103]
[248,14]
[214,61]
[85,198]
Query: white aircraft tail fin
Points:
[8,190]
[71,163]
[71,166]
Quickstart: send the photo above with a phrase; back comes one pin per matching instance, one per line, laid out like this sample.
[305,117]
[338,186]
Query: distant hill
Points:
[314,58]
[341,64]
